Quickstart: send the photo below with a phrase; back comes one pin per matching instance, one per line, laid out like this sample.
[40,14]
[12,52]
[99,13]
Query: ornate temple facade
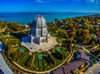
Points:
[39,31]
[39,39]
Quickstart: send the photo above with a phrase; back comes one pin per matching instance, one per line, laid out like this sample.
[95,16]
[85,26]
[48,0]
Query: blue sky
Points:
[49,5]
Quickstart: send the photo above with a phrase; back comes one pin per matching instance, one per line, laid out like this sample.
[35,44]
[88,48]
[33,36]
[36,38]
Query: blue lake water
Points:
[28,17]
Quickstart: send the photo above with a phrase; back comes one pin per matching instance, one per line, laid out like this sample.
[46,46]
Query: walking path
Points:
[88,51]
[3,64]
[83,48]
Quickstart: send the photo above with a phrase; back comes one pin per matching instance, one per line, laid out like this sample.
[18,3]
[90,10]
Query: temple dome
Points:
[39,22]
[39,27]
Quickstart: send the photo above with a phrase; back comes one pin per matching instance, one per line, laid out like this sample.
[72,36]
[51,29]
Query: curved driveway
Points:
[3,64]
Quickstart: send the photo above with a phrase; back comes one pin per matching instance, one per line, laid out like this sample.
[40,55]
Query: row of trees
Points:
[6,27]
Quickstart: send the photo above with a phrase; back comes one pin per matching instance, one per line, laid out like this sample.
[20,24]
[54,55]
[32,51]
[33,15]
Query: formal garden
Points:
[37,61]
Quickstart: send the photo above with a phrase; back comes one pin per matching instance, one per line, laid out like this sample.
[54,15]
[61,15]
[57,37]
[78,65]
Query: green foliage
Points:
[52,60]
[91,63]
[93,43]
[25,60]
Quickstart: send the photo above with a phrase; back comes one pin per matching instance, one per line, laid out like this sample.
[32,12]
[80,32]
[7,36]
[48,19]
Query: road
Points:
[3,64]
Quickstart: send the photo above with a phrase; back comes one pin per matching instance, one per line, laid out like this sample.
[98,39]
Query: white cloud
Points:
[42,1]
[39,1]
[89,1]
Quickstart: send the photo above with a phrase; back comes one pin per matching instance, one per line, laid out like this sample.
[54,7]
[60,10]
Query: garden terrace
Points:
[21,56]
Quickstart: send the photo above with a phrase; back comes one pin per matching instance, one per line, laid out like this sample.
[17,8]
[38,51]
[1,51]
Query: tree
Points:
[30,24]
[91,63]
[86,38]
[6,31]
[94,39]
[94,59]
[1,34]
[79,32]
[70,47]
[50,25]
[93,43]
[10,25]
[90,26]
[61,32]
[73,34]
[0,29]
[3,51]
[17,27]
[56,20]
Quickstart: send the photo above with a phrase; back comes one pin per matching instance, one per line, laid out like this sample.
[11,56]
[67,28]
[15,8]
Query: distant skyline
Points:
[50,6]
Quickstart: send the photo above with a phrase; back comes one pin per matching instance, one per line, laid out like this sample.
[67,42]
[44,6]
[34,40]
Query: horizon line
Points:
[57,12]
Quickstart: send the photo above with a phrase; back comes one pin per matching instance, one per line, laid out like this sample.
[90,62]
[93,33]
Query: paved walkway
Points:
[83,48]
[3,64]
[35,47]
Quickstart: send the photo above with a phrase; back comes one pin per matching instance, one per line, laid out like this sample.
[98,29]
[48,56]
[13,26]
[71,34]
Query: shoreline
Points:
[28,17]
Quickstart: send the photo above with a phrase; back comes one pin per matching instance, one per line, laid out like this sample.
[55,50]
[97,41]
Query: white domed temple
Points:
[39,32]
[39,38]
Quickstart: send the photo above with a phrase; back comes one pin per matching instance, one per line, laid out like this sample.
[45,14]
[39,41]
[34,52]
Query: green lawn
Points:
[40,64]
